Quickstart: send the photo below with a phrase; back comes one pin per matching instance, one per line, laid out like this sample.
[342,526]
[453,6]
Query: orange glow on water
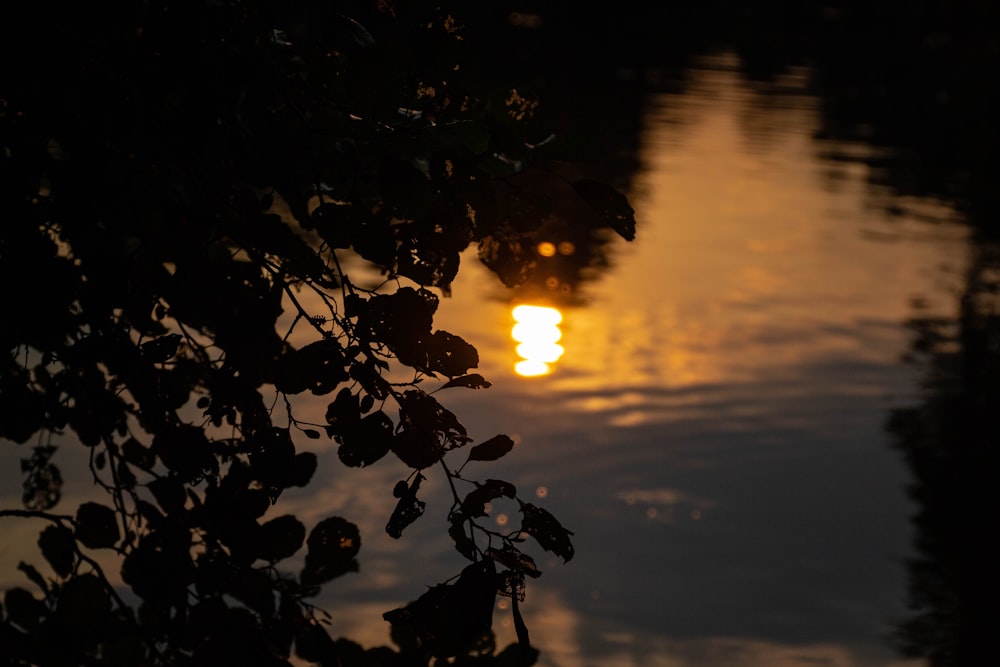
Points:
[546,249]
[537,330]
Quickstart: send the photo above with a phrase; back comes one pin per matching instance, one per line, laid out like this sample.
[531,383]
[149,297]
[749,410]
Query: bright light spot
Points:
[533,332]
[537,331]
[502,519]
[542,491]
[546,249]
[529,368]
[546,352]
[538,314]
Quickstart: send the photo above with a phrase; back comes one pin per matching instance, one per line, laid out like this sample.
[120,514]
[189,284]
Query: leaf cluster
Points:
[181,186]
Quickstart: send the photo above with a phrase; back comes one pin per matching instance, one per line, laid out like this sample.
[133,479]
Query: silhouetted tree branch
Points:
[175,179]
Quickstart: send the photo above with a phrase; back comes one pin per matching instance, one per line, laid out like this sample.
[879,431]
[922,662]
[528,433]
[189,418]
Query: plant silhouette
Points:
[949,441]
[180,184]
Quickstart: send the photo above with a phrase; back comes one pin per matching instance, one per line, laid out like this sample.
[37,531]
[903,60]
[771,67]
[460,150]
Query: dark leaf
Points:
[472,136]
[280,538]
[233,637]
[449,354]
[313,643]
[420,411]
[96,526]
[58,547]
[354,305]
[160,573]
[429,262]
[254,589]
[43,482]
[513,559]
[521,630]
[449,619]
[343,413]
[407,510]
[272,458]
[23,609]
[332,546]
[511,584]
[33,575]
[463,543]
[472,381]
[511,258]
[544,527]
[474,504]
[302,469]
[335,224]
[318,367]
[571,148]
[417,449]
[185,450]
[135,453]
[84,609]
[161,349]
[402,314]
[517,655]
[367,442]
[149,512]
[491,450]
[358,33]
[311,433]
[369,376]
[611,205]
[169,493]
[125,475]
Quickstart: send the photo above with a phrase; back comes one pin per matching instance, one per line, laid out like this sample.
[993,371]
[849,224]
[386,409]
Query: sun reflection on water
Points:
[537,332]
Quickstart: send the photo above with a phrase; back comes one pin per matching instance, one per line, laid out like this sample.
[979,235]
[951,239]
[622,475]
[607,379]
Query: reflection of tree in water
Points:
[553,233]
[950,442]
[915,80]
[916,83]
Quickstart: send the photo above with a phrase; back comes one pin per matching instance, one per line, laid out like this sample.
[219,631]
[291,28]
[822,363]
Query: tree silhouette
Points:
[180,183]
[949,442]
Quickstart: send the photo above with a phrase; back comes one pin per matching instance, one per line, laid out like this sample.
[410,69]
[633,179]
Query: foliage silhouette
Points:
[949,441]
[179,186]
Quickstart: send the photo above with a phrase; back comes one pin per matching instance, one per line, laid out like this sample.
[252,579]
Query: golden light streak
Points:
[537,314]
[546,352]
[537,330]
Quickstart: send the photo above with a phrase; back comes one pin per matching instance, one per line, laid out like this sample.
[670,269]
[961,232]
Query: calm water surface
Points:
[713,431]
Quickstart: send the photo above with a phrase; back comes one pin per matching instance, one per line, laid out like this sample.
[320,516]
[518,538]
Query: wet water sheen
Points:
[713,430]
[710,425]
